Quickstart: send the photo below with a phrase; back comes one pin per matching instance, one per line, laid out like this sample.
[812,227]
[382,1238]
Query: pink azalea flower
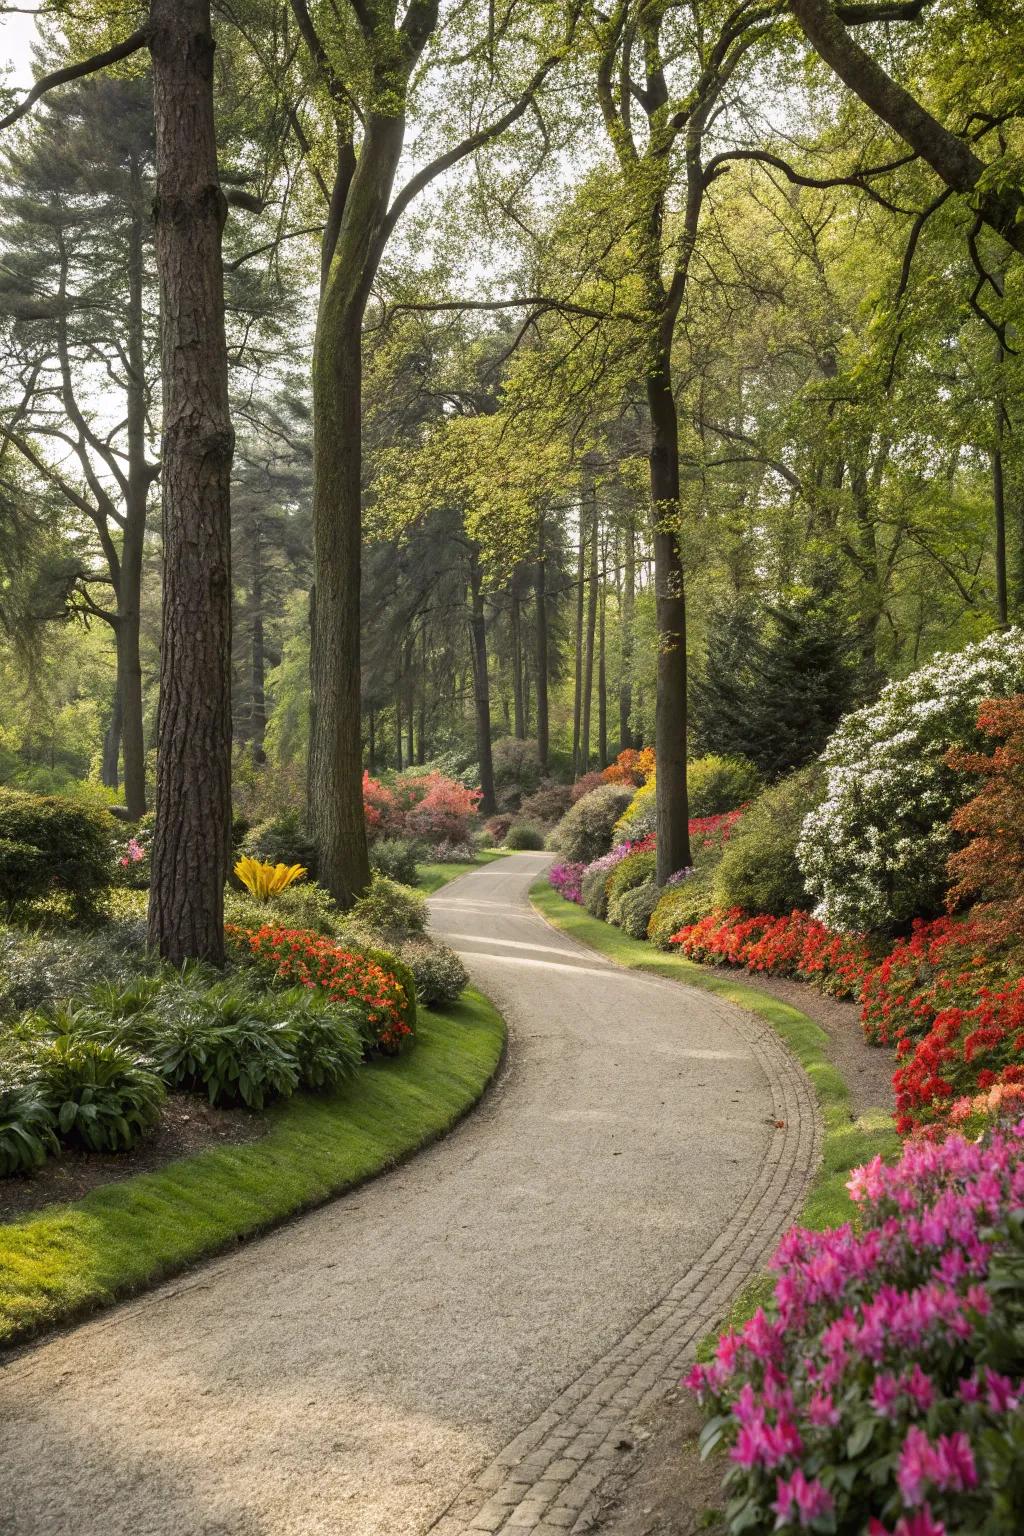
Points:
[804,1498]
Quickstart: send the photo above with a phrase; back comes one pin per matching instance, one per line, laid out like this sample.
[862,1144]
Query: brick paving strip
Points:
[462,1345]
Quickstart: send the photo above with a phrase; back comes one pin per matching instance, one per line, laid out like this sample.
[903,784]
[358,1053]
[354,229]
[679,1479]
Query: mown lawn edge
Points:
[65,1261]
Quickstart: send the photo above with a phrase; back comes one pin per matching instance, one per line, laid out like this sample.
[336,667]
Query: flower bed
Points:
[967,1051]
[881,1391]
[797,945]
[943,962]
[300,955]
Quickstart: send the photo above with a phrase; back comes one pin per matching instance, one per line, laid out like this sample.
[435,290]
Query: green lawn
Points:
[431,877]
[69,1259]
[847,1141]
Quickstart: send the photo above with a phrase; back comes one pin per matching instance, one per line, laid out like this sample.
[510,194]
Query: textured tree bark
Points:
[515,625]
[540,592]
[591,633]
[670,616]
[578,689]
[140,475]
[258,655]
[953,161]
[602,688]
[193,782]
[112,742]
[481,685]
[626,643]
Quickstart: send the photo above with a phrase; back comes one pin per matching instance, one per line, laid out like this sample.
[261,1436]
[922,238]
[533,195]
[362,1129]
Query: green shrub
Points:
[635,869]
[440,975]
[70,850]
[585,831]
[302,905]
[524,837]
[516,768]
[717,784]
[38,969]
[391,910]
[99,1095]
[327,1045]
[638,820]
[227,1041]
[594,892]
[27,1136]
[395,858]
[759,870]
[680,905]
[283,839]
[636,907]
[548,803]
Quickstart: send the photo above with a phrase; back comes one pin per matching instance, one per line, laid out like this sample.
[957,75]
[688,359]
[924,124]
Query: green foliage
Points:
[585,831]
[635,908]
[391,910]
[99,1095]
[283,839]
[71,844]
[440,975]
[41,968]
[396,858]
[547,804]
[327,1045]
[27,1135]
[635,869]
[679,905]
[522,836]
[639,819]
[302,905]
[717,784]
[227,1041]
[594,892]
[517,770]
[759,870]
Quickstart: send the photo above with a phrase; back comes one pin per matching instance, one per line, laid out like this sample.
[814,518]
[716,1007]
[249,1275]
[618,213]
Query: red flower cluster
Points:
[942,963]
[713,831]
[797,945]
[424,805]
[966,1051]
[308,958]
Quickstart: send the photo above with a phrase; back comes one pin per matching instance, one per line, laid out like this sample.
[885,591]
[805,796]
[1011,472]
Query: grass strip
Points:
[431,877]
[846,1142]
[65,1260]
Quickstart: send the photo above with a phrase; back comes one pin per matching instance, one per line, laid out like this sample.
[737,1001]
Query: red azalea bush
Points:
[797,945]
[991,866]
[966,1051]
[944,962]
[708,832]
[881,1392]
[584,785]
[299,955]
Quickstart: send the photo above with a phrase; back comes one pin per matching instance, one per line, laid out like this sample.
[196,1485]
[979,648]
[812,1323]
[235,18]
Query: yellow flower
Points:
[266,880]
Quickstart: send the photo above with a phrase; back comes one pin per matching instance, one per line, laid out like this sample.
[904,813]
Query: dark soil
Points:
[866,1069]
[186,1125]
[662,1487]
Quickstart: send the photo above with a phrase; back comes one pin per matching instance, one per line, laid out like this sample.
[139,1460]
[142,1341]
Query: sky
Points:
[17,34]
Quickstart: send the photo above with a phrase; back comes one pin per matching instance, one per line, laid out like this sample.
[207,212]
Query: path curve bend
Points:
[460,1345]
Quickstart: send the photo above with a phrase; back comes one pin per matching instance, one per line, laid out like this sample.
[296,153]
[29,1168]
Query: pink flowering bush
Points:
[881,1392]
[567,880]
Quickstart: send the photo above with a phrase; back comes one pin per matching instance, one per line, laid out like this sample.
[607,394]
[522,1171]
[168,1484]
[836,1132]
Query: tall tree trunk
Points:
[258,655]
[410,703]
[112,741]
[421,744]
[591,634]
[670,616]
[515,624]
[129,594]
[191,846]
[578,691]
[371,739]
[602,687]
[626,638]
[399,763]
[481,684]
[999,507]
[540,592]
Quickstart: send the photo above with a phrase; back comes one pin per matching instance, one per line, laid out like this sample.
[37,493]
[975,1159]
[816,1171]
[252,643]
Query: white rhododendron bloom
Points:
[874,852]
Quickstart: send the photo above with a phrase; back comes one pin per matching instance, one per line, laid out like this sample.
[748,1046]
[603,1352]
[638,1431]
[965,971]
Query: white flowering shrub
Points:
[874,853]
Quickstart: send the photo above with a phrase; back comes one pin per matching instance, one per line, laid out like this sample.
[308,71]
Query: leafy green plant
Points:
[27,1135]
[438,973]
[637,868]
[396,858]
[391,910]
[678,906]
[39,968]
[636,907]
[226,1041]
[282,839]
[524,837]
[585,831]
[99,1095]
[326,1042]
[716,784]
[54,844]
[759,870]
[306,905]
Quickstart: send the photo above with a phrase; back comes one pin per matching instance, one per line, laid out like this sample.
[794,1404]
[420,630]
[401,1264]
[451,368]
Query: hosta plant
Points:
[223,1041]
[881,1392]
[27,1135]
[100,1096]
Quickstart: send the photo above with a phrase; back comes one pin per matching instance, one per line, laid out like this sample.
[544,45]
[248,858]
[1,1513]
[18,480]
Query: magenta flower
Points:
[801,1498]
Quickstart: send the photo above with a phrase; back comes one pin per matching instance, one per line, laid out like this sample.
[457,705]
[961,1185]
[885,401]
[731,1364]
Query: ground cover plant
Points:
[880,1389]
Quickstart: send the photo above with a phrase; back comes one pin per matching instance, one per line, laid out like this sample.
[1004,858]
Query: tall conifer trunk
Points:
[540,592]
[193,780]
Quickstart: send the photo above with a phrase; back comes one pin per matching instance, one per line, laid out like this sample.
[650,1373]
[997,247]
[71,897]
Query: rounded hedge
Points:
[585,831]
[874,852]
[636,908]
[719,784]
[759,870]
[635,869]
[678,906]
[523,837]
[48,842]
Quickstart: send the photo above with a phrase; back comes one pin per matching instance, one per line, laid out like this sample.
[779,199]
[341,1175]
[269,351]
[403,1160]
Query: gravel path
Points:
[460,1345]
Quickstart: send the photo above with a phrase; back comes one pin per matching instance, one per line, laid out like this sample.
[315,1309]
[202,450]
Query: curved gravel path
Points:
[460,1345]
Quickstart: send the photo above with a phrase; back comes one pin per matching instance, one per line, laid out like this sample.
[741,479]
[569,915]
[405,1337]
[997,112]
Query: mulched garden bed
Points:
[186,1125]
